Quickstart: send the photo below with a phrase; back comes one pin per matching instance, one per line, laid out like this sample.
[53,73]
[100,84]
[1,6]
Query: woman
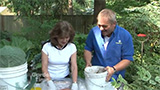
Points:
[58,54]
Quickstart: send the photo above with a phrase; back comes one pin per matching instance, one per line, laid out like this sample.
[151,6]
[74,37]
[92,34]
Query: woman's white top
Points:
[58,60]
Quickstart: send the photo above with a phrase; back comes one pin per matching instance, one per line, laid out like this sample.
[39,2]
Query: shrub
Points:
[11,56]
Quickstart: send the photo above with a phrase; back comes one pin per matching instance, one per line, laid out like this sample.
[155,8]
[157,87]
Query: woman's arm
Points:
[44,58]
[74,69]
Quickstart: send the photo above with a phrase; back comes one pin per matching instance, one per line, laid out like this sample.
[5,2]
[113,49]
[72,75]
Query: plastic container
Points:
[36,87]
[13,78]
[95,78]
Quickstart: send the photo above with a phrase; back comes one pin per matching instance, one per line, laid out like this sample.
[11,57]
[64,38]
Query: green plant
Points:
[5,35]
[35,64]
[80,43]
[143,80]
[83,9]
[11,56]
[117,83]
[19,42]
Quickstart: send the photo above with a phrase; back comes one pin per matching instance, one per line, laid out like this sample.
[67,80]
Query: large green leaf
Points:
[22,43]
[19,42]
[144,74]
[157,78]
[11,56]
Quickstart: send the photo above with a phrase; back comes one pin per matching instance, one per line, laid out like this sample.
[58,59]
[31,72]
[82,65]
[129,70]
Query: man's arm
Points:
[120,66]
[87,58]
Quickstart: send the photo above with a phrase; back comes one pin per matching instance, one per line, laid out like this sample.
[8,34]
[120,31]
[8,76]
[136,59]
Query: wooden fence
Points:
[81,23]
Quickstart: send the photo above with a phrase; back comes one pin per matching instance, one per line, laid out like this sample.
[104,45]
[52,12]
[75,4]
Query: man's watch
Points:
[114,69]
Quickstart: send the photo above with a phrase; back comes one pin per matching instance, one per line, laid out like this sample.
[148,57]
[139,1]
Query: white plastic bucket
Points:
[13,78]
[95,78]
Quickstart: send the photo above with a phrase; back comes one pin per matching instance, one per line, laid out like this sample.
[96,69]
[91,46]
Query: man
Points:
[110,44]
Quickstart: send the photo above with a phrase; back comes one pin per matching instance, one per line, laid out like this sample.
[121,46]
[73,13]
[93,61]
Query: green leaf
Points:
[39,65]
[11,56]
[152,82]
[5,42]
[122,80]
[125,87]
[21,43]
[33,81]
[144,74]
[114,82]
[117,85]
[157,78]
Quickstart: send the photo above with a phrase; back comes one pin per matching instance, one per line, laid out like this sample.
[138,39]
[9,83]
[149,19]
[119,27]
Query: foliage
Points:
[38,30]
[148,17]
[80,43]
[145,20]
[32,83]
[39,16]
[117,83]
[35,67]
[146,78]
[2,3]
[11,56]
[30,8]
[119,5]
[35,64]
[83,9]
[19,42]
[60,7]
[5,35]
[137,16]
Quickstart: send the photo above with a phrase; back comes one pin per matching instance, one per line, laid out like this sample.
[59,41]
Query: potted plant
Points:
[13,68]
[13,63]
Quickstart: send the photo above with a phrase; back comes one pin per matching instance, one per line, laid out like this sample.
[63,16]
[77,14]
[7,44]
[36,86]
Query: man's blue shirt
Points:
[120,47]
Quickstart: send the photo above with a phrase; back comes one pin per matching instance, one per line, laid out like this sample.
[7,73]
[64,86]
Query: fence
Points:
[81,23]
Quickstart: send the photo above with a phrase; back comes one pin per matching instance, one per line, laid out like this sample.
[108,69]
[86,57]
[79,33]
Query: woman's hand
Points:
[51,85]
[74,86]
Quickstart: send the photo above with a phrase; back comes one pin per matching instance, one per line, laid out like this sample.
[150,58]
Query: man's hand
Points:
[110,72]
[88,65]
